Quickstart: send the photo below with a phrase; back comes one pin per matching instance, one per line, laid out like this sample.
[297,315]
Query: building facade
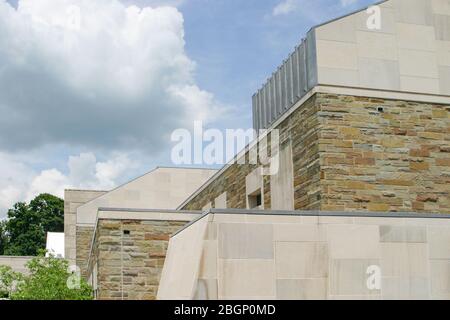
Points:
[255,254]
[361,189]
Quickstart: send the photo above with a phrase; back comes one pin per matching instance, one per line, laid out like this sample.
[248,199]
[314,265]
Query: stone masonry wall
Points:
[357,154]
[129,265]
[84,241]
[384,155]
[301,130]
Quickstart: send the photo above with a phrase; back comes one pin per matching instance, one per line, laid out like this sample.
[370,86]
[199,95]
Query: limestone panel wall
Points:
[409,51]
[384,155]
[128,257]
[162,188]
[262,255]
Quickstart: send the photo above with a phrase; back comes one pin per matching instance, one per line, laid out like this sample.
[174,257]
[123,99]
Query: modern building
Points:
[104,219]
[357,208]
[55,244]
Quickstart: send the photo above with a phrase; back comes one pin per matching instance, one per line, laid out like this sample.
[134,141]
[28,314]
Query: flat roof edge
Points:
[366,214]
[103,209]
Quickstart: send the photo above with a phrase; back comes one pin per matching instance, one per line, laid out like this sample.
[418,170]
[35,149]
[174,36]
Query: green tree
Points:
[8,281]
[3,237]
[50,279]
[50,210]
[28,224]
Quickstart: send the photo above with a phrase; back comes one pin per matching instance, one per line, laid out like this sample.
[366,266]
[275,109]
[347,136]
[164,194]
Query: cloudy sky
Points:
[90,90]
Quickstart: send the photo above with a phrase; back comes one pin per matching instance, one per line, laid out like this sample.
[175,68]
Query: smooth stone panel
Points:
[229,218]
[442,27]
[296,260]
[380,221]
[211,231]
[440,7]
[444,77]
[439,242]
[221,201]
[377,46]
[405,288]
[265,218]
[245,241]
[246,278]
[418,84]
[349,277]
[379,74]
[302,289]
[418,64]
[335,220]
[338,76]
[440,279]
[339,30]
[298,232]
[416,37]
[404,259]
[253,181]
[403,234]
[443,53]
[354,241]
[206,289]
[414,11]
[387,22]
[282,183]
[208,263]
[355,297]
[334,54]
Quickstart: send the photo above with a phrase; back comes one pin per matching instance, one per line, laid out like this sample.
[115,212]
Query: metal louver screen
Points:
[283,89]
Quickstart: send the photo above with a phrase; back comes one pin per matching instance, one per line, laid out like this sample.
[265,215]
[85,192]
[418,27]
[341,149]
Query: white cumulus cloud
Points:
[108,77]
[19,182]
[285,7]
[95,73]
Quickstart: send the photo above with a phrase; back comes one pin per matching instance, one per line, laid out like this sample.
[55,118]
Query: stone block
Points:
[350,276]
[245,241]
[296,260]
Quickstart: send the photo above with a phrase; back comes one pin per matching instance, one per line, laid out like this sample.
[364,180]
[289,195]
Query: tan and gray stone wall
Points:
[84,242]
[301,130]
[356,153]
[128,257]
[383,155]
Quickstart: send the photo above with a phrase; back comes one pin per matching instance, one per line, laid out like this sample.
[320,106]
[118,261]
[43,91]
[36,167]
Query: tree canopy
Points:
[24,231]
[3,237]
